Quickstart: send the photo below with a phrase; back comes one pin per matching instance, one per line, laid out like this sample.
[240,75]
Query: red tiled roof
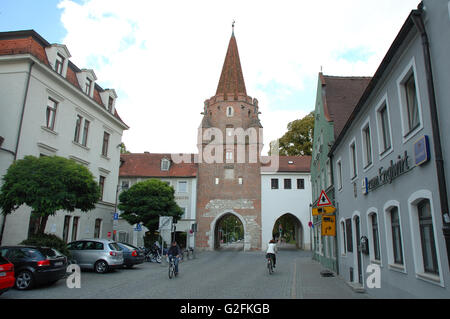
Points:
[29,41]
[149,165]
[294,164]
[232,80]
[341,96]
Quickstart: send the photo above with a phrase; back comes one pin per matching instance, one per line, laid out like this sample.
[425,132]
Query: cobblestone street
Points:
[212,275]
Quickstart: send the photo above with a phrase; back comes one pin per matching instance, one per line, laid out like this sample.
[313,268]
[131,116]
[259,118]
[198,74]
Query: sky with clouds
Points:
[164,58]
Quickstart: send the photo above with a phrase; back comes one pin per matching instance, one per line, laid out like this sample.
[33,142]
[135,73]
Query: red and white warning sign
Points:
[323,200]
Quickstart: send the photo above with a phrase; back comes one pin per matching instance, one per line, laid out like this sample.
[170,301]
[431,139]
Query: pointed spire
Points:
[232,80]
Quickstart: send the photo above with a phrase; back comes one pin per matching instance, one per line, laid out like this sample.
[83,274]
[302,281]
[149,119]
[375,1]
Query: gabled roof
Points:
[341,94]
[149,165]
[231,80]
[29,41]
[287,164]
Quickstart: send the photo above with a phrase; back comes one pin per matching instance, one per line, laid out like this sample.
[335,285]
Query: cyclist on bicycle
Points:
[271,251]
[174,252]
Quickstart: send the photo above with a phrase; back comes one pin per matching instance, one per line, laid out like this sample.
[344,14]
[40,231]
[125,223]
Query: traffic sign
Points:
[116,216]
[328,225]
[316,211]
[324,200]
[138,227]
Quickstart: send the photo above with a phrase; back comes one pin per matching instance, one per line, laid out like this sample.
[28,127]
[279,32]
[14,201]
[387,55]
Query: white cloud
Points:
[164,58]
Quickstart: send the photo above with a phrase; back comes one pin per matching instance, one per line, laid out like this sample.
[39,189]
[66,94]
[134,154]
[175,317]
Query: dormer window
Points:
[58,57]
[88,86]
[108,97]
[59,64]
[165,164]
[86,79]
[110,103]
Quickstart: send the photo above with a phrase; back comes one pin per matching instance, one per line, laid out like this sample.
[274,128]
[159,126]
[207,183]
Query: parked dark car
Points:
[131,255]
[7,278]
[35,265]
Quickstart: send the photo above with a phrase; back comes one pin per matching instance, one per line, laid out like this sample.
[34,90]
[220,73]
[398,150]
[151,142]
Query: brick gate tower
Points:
[229,143]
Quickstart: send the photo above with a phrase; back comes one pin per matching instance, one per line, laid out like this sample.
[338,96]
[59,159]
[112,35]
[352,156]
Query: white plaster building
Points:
[286,191]
[181,176]
[50,107]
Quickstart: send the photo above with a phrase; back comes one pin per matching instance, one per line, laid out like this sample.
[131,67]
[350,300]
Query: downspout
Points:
[418,21]
[18,137]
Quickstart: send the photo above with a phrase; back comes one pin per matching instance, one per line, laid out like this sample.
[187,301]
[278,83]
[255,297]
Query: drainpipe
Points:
[18,137]
[418,21]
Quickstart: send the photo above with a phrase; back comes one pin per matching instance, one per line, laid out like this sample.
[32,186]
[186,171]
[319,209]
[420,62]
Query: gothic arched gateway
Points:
[288,232]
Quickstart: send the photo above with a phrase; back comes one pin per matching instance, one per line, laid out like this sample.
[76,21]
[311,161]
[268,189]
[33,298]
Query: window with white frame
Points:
[59,63]
[412,106]
[182,187]
[51,113]
[339,174]
[353,161]
[165,164]
[394,235]
[85,132]
[105,144]
[78,124]
[409,101]
[328,173]
[423,235]
[374,237]
[428,244]
[367,145]
[384,128]
[229,155]
[88,86]
[343,241]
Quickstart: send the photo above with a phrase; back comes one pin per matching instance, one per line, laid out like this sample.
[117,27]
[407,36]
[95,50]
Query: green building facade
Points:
[335,101]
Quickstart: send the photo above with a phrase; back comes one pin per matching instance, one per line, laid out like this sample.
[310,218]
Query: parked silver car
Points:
[101,255]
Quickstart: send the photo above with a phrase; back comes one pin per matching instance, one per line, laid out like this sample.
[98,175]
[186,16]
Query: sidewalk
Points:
[308,283]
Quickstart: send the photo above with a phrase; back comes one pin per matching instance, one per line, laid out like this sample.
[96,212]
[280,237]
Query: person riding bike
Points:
[271,251]
[174,252]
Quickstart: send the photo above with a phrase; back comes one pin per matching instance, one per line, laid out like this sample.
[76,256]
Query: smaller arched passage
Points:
[229,233]
[288,232]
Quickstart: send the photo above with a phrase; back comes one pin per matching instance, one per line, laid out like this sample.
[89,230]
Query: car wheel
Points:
[24,280]
[101,267]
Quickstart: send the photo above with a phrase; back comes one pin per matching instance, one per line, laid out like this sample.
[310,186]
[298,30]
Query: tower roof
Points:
[231,80]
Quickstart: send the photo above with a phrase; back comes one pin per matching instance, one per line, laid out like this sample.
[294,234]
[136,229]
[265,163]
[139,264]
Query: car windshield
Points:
[129,247]
[114,246]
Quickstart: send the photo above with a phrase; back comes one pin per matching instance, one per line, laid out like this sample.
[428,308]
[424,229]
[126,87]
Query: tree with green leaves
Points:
[48,184]
[123,149]
[298,140]
[146,201]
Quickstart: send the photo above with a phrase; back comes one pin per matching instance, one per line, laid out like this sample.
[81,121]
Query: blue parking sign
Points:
[116,216]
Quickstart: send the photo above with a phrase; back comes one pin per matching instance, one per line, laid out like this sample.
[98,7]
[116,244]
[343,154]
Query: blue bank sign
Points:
[422,151]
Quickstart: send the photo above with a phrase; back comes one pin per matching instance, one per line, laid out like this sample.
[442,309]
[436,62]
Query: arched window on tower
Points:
[230,111]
